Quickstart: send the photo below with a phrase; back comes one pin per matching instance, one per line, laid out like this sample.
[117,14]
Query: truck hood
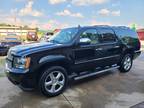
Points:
[32,48]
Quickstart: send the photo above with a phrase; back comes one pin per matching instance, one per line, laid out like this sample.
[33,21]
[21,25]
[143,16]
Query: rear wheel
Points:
[53,81]
[126,63]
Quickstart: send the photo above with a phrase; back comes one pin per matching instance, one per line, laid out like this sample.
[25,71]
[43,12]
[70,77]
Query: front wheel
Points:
[126,63]
[53,81]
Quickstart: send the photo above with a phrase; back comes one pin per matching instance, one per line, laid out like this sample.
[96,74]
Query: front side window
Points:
[64,36]
[90,34]
[107,36]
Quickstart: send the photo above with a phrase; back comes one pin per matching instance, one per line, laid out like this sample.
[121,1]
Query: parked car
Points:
[8,41]
[32,36]
[73,53]
[46,36]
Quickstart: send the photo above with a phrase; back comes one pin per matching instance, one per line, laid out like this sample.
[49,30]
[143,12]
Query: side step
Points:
[94,73]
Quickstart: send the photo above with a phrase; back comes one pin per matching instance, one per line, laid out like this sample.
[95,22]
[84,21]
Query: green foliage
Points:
[40,33]
[133,27]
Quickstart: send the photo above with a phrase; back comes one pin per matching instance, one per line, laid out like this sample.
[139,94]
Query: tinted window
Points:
[107,35]
[126,35]
[129,37]
[64,36]
[92,35]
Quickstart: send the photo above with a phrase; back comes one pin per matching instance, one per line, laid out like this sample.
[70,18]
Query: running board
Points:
[95,73]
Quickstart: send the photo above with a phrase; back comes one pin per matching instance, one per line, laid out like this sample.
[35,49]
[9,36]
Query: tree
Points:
[133,27]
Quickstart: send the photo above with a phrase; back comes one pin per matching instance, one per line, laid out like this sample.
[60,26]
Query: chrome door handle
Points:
[116,46]
[99,49]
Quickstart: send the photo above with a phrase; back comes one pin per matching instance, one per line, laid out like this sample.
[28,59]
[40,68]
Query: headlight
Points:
[0,44]
[21,63]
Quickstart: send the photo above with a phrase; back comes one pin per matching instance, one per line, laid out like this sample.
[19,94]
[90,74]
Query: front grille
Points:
[9,55]
[8,63]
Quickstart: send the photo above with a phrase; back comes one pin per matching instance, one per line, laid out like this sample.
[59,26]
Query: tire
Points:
[126,63]
[53,81]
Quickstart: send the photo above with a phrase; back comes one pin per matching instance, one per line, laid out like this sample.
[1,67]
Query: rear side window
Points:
[126,35]
[129,37]
[107,36]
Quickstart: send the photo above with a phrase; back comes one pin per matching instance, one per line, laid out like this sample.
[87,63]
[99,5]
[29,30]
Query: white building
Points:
[15,30]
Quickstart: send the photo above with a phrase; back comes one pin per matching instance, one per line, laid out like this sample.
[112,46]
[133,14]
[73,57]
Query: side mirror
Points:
[85,41]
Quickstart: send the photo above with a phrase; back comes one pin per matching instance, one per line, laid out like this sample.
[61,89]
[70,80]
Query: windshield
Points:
[64,36]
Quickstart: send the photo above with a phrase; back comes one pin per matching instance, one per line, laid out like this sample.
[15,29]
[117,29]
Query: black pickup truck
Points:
[73,53]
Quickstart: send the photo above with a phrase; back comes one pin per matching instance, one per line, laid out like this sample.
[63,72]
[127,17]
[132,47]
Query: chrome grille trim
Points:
[10,55]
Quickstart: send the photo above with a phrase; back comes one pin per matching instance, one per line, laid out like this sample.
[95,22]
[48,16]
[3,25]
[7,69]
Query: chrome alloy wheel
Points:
[127,63]
[54,82]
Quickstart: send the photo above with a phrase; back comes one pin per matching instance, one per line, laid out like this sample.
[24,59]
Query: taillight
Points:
[139,44]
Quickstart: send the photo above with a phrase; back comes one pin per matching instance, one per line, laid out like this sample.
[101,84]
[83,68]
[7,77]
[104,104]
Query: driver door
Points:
[85,53]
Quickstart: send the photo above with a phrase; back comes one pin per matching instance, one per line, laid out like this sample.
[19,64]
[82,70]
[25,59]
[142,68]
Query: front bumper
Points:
[22,78]
[15,78]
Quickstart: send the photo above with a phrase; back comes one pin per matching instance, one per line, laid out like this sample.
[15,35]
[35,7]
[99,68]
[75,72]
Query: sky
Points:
[49,14]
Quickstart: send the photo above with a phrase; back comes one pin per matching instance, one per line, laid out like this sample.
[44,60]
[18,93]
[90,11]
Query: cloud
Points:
[19,0]
[52,24]
[104,12]
[34,24]
[88,2]
[79,2]
[69,13]
[69,6]
[107,12]
[9,19]
[28,10]
[56,1]
[116,13]
[116,4]
[94,22]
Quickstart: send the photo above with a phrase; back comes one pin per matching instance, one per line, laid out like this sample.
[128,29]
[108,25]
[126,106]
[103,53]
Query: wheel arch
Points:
[50,61]
[128,51]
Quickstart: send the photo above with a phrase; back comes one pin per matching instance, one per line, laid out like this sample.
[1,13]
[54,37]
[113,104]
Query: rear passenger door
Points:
[109,48]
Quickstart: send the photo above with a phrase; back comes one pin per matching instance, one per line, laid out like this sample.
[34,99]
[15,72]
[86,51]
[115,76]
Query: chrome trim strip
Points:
[95,73]
[17,71]
[97,59]
[138,51]
[99,44]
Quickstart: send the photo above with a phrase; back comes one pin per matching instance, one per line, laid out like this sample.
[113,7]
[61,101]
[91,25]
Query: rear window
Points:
[107,36]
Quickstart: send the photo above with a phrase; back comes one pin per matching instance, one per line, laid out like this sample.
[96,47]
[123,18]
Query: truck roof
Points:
[103,26]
